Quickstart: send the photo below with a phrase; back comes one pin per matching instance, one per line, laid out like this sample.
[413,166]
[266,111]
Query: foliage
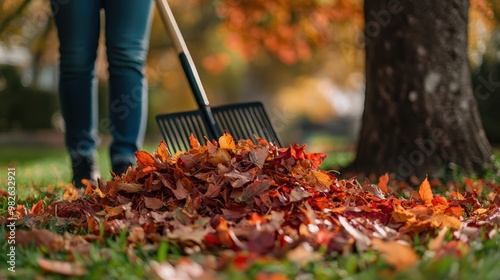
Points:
[257,211]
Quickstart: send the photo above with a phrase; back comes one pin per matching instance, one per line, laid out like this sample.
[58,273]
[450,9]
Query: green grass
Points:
[36,168]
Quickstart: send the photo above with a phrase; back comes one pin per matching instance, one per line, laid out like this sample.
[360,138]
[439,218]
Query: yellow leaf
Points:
[226,141]
[447,221]
[401,215]
[479,211]
[70,193]
[425,192]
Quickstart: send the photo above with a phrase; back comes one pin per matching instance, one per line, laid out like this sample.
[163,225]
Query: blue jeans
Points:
[127,27]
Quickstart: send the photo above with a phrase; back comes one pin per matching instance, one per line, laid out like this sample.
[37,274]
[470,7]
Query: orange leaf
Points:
[425,192]
[193,142]
[226,141]
[144,159]
[163,152]
[382,182]
[457,195]
[455,211]
[396,254]
[439,200]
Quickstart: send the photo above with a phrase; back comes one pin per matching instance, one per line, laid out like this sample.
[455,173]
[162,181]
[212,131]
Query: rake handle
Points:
[188,66]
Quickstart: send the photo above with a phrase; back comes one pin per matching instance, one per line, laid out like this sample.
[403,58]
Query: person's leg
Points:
[78,31]
[127,41]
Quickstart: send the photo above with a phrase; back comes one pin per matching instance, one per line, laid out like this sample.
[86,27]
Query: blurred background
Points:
[303,59]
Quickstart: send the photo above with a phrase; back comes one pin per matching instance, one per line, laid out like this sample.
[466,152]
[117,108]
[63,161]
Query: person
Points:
[127,27]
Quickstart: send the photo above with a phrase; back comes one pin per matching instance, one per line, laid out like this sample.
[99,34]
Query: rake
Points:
[242,120]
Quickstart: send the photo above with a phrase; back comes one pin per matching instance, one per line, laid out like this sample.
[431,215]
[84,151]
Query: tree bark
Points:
[420,115]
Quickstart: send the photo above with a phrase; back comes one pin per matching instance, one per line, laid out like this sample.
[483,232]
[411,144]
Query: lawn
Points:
[42,175]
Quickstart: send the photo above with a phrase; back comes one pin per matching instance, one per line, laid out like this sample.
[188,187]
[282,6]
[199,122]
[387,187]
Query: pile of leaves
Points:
[262,200]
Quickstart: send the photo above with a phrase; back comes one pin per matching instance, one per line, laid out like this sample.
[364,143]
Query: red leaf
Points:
[37,208]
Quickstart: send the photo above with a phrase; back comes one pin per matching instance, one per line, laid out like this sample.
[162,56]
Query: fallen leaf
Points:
[437,242]
[144,159]
[193,142]
[447,221]
[40,238]
[162,152]
[401,215]
[425,192]
[382,182]
[36,208]
[70,193]
[396,254]
[61,267]
[153,203]
[259,155]
[226,141]
[254,189]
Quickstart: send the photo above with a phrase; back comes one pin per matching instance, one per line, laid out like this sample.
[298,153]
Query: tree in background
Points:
[420,113]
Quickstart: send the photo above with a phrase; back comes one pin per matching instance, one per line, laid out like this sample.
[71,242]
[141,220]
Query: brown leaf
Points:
[259,155]
[180,191]
[136,235]
[396,254]
[382,182]
[213,190]
[425,192]
[60,267]
[153,203]
[238,179]
[40,238]
[117,186]
[254,189]
[297,194]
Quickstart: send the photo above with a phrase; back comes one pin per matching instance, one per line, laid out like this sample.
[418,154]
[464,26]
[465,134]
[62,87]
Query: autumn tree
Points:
[420,114]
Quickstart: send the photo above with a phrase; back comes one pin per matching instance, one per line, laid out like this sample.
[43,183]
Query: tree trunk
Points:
[420,114]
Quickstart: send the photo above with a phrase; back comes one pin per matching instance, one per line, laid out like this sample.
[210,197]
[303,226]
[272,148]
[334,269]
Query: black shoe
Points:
[84,168]
[121,167]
